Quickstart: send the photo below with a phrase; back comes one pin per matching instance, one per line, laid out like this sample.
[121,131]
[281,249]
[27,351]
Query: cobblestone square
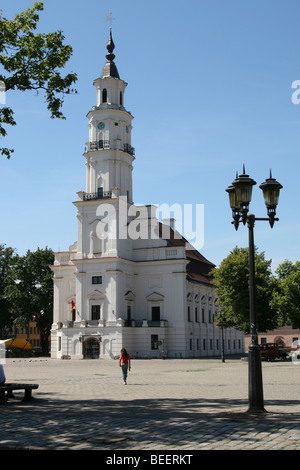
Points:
[172,404]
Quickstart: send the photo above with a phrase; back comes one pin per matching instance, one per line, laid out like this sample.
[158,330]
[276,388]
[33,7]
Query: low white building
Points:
[130,280]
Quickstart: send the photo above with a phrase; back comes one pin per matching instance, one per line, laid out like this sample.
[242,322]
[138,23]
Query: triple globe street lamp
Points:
[240,193]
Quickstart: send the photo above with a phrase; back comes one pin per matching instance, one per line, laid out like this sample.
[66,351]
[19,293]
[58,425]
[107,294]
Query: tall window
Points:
[154,341]
[104,95]
[95,312]
[121,98]
[155,313]
[129,313]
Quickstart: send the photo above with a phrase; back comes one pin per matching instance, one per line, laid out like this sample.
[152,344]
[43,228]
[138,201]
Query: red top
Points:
[124,359]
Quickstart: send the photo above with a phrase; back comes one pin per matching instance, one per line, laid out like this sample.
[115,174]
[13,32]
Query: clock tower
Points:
[109,164]
[126,281]
[109,154]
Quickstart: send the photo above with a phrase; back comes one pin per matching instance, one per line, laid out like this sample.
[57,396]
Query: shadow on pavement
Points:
[121,424]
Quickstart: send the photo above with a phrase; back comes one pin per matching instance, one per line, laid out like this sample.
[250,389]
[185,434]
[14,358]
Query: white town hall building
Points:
[129,280]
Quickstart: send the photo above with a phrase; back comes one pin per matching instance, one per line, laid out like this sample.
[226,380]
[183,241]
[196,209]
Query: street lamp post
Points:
[223,350]
[240,193]
[222,324]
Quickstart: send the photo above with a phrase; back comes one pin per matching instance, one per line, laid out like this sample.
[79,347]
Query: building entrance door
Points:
[91,349]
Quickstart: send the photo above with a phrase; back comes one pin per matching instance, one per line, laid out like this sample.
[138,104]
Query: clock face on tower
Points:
[101,125]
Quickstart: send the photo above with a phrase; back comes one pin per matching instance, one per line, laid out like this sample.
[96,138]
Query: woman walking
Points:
[124,362]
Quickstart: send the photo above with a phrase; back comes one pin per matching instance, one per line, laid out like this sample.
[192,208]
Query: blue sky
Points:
[209,86]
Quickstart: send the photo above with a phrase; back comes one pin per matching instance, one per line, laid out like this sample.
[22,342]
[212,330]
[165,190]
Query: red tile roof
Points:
[198,269]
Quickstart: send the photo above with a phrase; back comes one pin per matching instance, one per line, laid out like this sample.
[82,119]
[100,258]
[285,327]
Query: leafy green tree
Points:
[286,299]
[6,263]
[32,61]
[29,291]
[231,281]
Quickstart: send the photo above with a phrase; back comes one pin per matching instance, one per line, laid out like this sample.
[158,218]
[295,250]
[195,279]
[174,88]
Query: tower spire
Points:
[110,68]
[110,47]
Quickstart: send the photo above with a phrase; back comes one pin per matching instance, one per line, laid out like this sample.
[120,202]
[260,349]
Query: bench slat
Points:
[17,386]
[9,387]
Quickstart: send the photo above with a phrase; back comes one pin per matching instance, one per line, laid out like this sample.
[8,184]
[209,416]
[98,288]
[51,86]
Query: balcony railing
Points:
[129,149]
[105,145]
[93,196]
[144,323]
[63,258]
[99,145]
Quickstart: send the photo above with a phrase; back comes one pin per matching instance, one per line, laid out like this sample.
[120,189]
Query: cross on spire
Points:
[109,18]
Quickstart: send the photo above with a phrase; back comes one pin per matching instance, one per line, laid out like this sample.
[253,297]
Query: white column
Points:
[57,307]
[81,304]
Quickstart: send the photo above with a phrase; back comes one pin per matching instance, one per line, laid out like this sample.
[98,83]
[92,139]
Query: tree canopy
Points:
[6,263]
[29,291]
[32,61]
[231,281]
[286,298]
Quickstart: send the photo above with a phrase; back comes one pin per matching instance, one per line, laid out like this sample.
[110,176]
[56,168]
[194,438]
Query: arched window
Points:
[121,98]
[104,95]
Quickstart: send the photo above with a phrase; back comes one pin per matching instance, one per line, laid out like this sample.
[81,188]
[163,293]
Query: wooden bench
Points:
[10,387]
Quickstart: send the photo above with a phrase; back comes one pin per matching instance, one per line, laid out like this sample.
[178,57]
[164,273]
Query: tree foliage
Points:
[6,263]
[286,299]
[231,281]
[32,61]
[29,290]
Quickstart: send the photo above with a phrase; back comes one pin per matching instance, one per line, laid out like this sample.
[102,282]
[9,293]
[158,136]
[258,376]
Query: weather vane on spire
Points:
[109,18]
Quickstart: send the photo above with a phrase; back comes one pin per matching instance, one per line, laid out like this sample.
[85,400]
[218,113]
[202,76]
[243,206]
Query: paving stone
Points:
[188,404]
